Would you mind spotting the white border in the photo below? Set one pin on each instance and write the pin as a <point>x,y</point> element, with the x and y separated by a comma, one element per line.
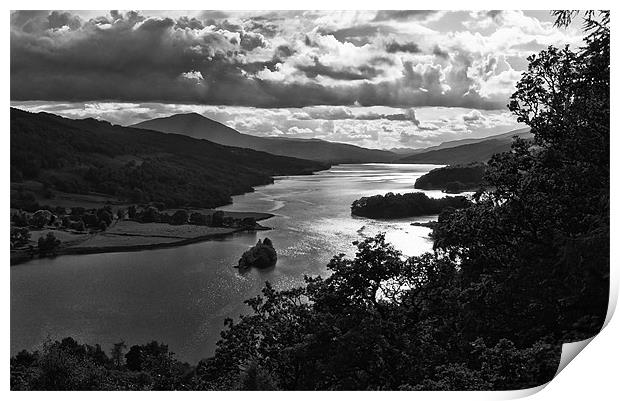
<point>592,375</point>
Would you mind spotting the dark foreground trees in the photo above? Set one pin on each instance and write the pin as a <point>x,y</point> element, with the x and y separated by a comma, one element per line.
<point>69,365</point>
<point>523,270</point>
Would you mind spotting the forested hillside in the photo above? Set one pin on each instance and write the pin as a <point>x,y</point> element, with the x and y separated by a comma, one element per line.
<point>138,165</point>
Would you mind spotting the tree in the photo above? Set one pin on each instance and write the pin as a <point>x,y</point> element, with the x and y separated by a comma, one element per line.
<point>513,276</point>
<point>180,217</point>
<point>19,237</point>
<point>41,218</point>
<point>20,219</point>
<point>198,219</point>
<point>217,219</point>
<point>105,215</point>
<point>78,225</point>
<point>248,222</point>
<point>117,352</point>
<point>48,244</point>
<point>150,215</point>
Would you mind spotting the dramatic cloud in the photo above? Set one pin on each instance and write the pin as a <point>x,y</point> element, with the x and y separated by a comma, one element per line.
<point>275,59</point>
<point>395,47</point>
<point>378,79</point>
<point>403,14</point>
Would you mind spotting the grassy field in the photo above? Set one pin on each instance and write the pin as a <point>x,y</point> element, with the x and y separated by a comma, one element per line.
<point>184,231</point>
<point>131,236</point>
<point>104,241</point>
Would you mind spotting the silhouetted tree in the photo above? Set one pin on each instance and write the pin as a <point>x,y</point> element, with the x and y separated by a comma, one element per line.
<point>48,244</point>
<point>180,217</point>
<point>217,219</point>
<point>118,351</point>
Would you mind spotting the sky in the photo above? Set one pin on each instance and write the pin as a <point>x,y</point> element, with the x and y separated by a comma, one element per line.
<point>379,79</point>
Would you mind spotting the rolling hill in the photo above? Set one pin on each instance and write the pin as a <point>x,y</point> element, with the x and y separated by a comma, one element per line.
<point>466,150</point>
<point>82,156</point>
<point>198,126</point>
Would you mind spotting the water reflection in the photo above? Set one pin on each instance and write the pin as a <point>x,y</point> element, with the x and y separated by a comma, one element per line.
<point>181,295</point>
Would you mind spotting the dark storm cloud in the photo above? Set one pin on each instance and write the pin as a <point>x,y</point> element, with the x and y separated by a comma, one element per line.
<point>190,23</point>
<point>358,35</point>
<point>379,60</point>
<point>284,51</point>
<point>346,113</point>
<point>129,57</point>
<point>439,52</point>
<point>210,17</point>
<point>259,25</point>
<point>395,47</point>
<point>399,15</point>
<point>59,19</point>
<point>250,41</point>
<point>494,13</point>
<point>348,74</point>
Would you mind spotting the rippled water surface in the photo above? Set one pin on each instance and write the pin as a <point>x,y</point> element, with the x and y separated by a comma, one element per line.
<point>181,295</point>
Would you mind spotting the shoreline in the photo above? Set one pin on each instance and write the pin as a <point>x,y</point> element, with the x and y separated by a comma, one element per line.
<point>23,256</point>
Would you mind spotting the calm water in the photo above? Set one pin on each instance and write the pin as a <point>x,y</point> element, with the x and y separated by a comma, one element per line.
<point>181,295</point>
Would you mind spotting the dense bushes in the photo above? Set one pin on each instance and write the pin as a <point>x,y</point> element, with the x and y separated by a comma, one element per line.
<point>391,205</point>
<point>48,244</point>
<point>19,237</point>
<point>77,218</point>
<point>68,365</point>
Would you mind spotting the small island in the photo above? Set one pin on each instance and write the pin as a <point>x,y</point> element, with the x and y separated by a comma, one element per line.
<point>262,255</point>
<point>453,179</point>
<point>394,206</point>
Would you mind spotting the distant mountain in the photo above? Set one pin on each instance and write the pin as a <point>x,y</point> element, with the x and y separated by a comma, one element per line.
<point>522,133</point>
<point>139,165</point>
<point>198,126</point>
<point>466,150</point>
<point>404,151</point>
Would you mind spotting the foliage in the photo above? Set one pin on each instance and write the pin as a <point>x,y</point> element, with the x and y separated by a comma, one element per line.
<point>217,219</point>
<point>68,365</point>
<point>87,155</point>
<point>378,321</point>
<point>199,219</point>
<point>522,270</point>
<point>25,200</point>
<point>180,217</point>
<point>261,255</point>
<point>41,218</point>
<point>48,244</point>
<point>411,204</point>
<point>19,237</point>
<point>453,179</point>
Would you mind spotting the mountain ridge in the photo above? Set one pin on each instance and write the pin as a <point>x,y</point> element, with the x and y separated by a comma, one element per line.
<point>199,126</point>
<point>464,151</point>
<point>88,155</point>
